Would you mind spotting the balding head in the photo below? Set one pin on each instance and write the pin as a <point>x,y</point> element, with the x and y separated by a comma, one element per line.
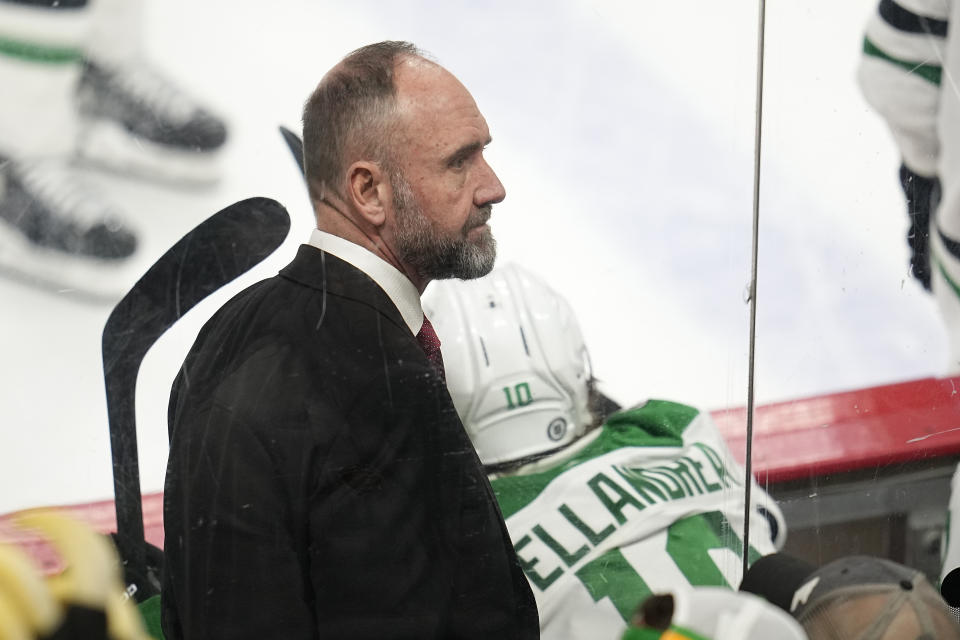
<point>351,114</point>
<point>393,149</point>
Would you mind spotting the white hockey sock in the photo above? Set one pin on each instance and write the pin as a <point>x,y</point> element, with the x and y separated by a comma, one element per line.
<point>116,32</point>
<point>40,54</point>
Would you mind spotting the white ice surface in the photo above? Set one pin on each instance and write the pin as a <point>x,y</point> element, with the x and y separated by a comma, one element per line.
<point>623,131</point>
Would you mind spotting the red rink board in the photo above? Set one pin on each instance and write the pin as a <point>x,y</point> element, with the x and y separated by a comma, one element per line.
<point>101,516</point>
<point>848,431</point>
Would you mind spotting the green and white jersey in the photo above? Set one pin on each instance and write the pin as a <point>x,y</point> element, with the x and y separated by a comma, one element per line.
<point>651,501</point>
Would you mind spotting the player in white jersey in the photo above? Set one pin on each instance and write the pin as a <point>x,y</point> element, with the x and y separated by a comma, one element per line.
<point>908,73</point>
<point>601,515</point>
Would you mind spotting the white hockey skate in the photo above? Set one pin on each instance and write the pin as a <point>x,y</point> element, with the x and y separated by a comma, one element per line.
<point>134,120</point>
<point>58,234</point>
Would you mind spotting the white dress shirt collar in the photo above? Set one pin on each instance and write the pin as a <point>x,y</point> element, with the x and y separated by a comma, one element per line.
<point>396,285</point>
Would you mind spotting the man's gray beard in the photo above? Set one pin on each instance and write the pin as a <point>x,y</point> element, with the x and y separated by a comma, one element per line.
<point>433,255</point>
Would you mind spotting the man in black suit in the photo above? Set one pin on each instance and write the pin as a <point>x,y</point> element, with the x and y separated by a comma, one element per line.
<point>320,482</point>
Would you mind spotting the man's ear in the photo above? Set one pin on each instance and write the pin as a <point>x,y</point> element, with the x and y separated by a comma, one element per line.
<point>368,190</point>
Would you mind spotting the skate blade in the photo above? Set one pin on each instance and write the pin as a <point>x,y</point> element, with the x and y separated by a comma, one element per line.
<point>82,278</point>
<point>107,144</point>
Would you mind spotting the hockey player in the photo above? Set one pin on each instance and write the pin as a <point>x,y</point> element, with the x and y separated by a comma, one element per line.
<point>76,85</point>
<point>601,515</point>
<point>908,74</point>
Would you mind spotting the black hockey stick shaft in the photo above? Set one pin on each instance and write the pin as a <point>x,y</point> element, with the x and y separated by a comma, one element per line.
<point>295,144</point>
<point>218,250</point>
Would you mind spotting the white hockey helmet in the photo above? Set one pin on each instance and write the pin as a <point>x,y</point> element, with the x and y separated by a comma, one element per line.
<point>516,364</point>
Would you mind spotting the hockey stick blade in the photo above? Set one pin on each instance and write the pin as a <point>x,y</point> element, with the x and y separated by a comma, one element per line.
<point>295,144</point>
<point>218,250</point>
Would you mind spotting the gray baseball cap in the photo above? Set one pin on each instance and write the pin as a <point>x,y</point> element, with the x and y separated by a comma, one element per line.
<point>854,598</point>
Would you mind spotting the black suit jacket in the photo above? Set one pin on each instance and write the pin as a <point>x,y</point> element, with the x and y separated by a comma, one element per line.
<point>320,483</point>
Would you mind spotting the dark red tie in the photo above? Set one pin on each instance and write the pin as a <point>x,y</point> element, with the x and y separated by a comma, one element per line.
<point>430,344</point>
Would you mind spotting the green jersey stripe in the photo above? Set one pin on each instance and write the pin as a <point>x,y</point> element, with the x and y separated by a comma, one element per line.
<point>929,72</point>
<point>32,52</point>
